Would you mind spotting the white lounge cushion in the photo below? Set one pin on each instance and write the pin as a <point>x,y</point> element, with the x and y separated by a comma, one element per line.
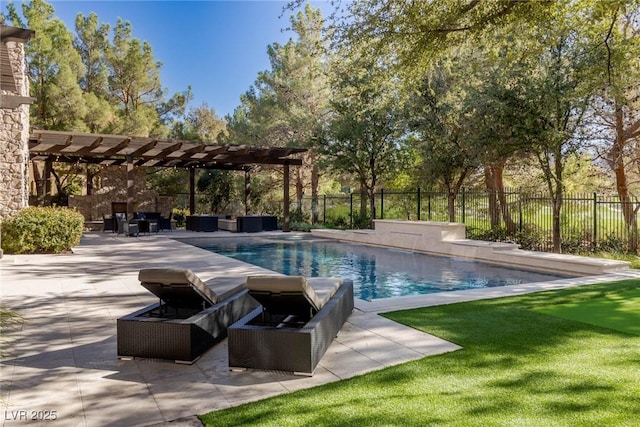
<point>167,281</point>
<point>317,291</point>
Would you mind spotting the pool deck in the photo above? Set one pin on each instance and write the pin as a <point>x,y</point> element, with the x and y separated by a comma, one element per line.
<point>64,359</point>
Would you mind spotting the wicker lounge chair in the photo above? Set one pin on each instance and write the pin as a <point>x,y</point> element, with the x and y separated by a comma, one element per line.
<point>293,328</point>
<point>190,316</point>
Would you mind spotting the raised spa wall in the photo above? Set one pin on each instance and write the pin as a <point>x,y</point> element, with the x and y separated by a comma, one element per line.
<point>448,239</point>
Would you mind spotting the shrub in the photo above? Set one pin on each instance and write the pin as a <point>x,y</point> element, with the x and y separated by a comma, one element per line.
<point>180,216</point>
<point>38,230</point>
<point>302,226</point>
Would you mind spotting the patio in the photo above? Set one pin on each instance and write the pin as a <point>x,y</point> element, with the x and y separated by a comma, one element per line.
<point>64,357</point>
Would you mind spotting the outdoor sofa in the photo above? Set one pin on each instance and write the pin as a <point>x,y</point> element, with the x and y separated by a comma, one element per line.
<point>294,326</point>
<point>190,316</point>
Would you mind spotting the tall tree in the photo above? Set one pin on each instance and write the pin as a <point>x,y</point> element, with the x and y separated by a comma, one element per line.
<point>200,124</point>
<point>135,87</point>
<point>363,137</point>
<point>54,68</point>
<point>296,91</point>
<point>91,43</point>
<point>436,119</point>
<point>134,81</point>
<point>616,37</point>
<point>559,98</point>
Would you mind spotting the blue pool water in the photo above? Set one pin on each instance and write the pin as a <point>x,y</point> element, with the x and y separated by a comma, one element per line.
<point>376,272</point>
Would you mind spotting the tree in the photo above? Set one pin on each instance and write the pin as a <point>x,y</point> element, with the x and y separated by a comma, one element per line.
<point>200,124</point>
<point>616,106</point>
<point>559,99</point>
<point>218,186</point>
<point>54,68</point>
<point>135,87</point>
<point>435,118</point>
<point>291,99</point>
<point>91,43</point>
<point>363,137</point>
<point>415,33</point>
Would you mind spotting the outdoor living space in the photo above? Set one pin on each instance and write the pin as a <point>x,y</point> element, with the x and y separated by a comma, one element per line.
<point>64,357</point>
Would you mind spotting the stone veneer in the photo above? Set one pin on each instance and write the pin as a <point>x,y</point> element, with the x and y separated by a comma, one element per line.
<point>14,138</point>
<point>113,188</point>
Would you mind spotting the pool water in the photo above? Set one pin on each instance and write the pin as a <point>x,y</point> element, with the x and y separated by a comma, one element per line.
<point>376,272</point>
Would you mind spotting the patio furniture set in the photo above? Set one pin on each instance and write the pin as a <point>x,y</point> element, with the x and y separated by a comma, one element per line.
<point>272,322</point>
<point>142,222</point>
<point>241,224</point>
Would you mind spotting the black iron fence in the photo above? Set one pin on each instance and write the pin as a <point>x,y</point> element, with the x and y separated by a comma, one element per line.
<point>588,221</point>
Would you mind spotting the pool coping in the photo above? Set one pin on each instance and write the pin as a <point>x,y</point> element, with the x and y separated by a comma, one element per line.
<point>384,305</point>
<point>448,239</point>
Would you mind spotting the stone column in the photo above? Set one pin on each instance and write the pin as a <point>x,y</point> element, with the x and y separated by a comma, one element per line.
<point>14,122</point>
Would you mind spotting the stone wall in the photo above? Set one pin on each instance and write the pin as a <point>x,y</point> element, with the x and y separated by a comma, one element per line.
<point>14,132</point>
<point>14,141</point>
<point>112,187</point>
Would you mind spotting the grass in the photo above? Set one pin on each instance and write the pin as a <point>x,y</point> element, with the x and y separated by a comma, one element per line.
<point>517,367</point>
<point>618,311</point>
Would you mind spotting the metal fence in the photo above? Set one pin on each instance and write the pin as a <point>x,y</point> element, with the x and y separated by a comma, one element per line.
<point>588,221</point>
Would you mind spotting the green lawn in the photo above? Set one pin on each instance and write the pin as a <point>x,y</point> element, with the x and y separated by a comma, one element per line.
<point>518,367</point>
<point>618,311</point>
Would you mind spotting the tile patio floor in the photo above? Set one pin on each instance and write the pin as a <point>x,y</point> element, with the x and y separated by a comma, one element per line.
<point>64,356</point>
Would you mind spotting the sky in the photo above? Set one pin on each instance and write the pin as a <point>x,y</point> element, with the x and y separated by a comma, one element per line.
<point>217,47</point>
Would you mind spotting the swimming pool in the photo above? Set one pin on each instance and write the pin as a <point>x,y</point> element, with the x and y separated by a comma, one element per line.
<point>376,272</point>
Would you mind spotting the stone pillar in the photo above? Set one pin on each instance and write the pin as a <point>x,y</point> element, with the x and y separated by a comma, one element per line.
<point>14,122</point>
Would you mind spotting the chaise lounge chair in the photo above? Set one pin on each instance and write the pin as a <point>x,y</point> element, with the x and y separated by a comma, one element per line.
<point>190,316</point>
<point>297,321</point>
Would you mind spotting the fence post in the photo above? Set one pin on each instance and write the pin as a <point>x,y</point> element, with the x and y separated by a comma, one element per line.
<point>381,203</point>
<point>351,210</point>
<point>519,211</point>
<point>595,219</point>
<point>463,206</point>
<point>418,203</point>
<point>324,209</point>
<point>429,206</point>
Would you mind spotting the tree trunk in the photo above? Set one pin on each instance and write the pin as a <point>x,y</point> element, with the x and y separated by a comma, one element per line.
<point>490,183</point>
<point>618,166</point>
<point>364,200</point>
<point>372,205</point>
<point>315,179</point>
<point>502,198</point>
<point>451,204</point>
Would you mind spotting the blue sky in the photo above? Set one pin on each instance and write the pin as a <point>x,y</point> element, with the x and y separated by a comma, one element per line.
<point>217,47</point>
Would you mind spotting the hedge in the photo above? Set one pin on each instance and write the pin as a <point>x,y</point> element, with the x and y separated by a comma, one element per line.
<point>42,230</point>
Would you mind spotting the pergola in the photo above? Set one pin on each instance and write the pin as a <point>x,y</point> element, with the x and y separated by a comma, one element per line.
<point>117,150</point>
